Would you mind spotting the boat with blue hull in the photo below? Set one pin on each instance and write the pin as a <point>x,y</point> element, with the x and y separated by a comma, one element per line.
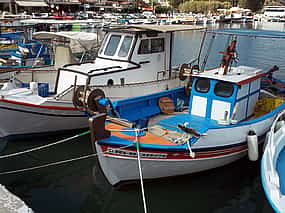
<point>182,131</point>
<point>272,165</point>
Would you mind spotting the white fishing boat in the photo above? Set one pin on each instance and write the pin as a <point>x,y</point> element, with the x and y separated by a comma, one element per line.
<point>225,117</point>
<point>272,165</point>
<point>132,61</point>
<point>63,48</point>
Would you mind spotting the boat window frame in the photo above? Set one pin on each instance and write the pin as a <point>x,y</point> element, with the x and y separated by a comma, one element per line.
<point>117,45</point>
<point>202,79</point>
<point>106,41</point>
<point>122,43</point>
<point>150,43</point>
<point>223,86</point>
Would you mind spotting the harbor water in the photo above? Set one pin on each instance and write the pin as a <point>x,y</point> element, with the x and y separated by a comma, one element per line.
<point>80,186</point>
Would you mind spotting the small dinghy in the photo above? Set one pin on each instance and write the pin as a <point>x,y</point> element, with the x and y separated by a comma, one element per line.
<point>223,115</point>
<point>272,165</point>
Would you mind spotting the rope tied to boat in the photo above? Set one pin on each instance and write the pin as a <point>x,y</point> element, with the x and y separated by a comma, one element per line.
<point>137,132</point>
<point>45,146</point>
<point>58,162</point>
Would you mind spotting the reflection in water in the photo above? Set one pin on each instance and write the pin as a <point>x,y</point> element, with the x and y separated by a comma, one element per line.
<point>81,186</point>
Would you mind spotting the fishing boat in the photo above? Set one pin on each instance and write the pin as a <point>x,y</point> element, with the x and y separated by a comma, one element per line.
<point>9,41</point>
<point>28,101</point>
<point>223,115</point>
<point>26,55</point>
<point>132,61</point>
<point>272,165</point>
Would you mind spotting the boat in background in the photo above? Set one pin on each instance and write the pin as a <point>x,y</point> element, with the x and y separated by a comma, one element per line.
<point>26,55</point>
<point>9,42</point>
<point>272,165</point>
<point>132,61</point>
<point>178,131</point>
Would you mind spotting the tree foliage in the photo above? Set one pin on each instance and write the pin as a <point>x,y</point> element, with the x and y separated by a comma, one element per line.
<point>202,6</point>
<point>206,5</point>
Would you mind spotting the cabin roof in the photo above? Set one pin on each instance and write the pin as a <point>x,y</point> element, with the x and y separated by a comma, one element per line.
<point>251,33</point>
<point>238,75</point>
<point>157,28</point>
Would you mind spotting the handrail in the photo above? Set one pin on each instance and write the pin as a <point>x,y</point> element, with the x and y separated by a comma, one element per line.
<point>104,69</point>
<point>272,129</point>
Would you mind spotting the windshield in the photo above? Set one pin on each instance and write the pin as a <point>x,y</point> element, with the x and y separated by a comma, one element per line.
<point>112,45</point>
<point>125,46</point>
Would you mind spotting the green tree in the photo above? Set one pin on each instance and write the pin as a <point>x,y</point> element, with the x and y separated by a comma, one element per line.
<point>199,6</point>
<point>251,4</point>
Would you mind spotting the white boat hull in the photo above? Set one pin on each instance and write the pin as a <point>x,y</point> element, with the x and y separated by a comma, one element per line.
<point>271,182</point>
<point>211,151</point>
<point>119,169</point>
<point>20,119</point>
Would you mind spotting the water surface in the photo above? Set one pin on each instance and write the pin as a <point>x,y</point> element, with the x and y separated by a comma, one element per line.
<point>80,187</point>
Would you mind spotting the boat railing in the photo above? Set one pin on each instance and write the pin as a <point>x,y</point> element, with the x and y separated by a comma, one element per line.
<point>107,70</point>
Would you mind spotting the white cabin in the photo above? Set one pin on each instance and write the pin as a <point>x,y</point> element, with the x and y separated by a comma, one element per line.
<point>128,55</point>
<point>274,11</point>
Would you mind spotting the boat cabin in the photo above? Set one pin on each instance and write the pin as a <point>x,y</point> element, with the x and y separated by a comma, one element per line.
<point>225,98</point>
<point>128,55</point>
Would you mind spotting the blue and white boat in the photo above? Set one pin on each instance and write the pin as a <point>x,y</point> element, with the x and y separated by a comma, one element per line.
<point>222,116</point>
<point>9,41</point>
<point>272,165</point>
<point>27,55</point>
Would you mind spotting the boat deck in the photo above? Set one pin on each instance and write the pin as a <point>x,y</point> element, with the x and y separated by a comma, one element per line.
<point>280,166</point>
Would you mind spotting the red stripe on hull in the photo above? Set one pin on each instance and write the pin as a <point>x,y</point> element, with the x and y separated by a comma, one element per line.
<point>171,155</point>
<point>39,106</point>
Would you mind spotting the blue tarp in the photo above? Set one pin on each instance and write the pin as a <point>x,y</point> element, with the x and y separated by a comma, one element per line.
<point>251,33</point>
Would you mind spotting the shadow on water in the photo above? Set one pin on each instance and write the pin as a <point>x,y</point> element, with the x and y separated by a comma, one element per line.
<point>81,187</point>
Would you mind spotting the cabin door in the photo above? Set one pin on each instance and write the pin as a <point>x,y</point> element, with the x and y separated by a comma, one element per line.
<point>153,54</point>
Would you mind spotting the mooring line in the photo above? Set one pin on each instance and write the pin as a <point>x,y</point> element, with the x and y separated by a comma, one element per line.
<point>140,170</point>
<point>58,162</point>
<point>47,165</point>
<point>45,146</point>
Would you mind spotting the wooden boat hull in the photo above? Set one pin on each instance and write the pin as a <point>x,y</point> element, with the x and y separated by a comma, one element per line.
<point>120,169</point>
<point>212,151</point>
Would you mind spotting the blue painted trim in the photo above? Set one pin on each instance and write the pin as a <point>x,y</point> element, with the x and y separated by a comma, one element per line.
<point>247,102</point>
<point>210,95</point>
<point>117,141</point>
<point>150,96</point>
<point>246,96</point>
<point>256,120</point>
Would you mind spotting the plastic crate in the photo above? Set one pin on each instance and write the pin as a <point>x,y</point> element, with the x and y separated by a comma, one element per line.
<point>43,88</point>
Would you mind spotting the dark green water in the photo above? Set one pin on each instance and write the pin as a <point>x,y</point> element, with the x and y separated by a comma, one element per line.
<point>80,187</point>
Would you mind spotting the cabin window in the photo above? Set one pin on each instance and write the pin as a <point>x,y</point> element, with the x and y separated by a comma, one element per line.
<point>224,89</point>
<point>154,45</point>
<point>125,46</point>
<point>144,47</point>
<point>157,45</point>
<point>112,45</point>
<point>202,85</point>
